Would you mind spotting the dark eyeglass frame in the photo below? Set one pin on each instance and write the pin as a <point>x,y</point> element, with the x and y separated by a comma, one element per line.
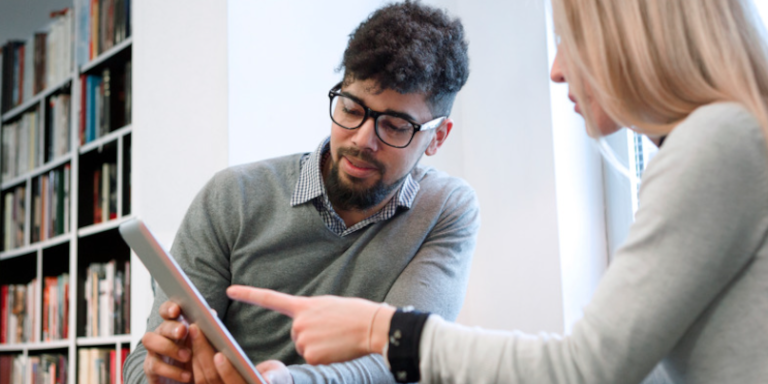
<point>429,125</point>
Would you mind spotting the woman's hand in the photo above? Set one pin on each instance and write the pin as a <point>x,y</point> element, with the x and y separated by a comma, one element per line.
<point>326,329</point>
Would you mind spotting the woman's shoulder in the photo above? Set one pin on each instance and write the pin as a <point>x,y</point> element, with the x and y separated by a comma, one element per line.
<point>719,127</point>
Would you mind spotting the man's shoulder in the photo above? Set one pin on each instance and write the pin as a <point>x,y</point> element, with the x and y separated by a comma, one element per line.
<point>436,180</point>
<point>435,184</point>
<point>280,169</point>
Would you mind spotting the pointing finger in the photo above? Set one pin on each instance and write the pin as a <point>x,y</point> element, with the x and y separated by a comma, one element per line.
<point>286,304</point>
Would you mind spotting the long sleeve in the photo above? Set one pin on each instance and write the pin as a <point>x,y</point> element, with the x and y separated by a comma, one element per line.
<point>435,281</point>
<point>201,248</point>
<point>685,288</point>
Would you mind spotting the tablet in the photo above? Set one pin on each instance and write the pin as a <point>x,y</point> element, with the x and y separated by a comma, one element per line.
<point>181,291</point>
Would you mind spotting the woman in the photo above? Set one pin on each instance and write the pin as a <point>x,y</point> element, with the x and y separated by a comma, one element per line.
<point>689,289</point>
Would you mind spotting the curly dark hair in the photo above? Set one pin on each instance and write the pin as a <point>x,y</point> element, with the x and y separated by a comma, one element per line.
<point>410,48</point>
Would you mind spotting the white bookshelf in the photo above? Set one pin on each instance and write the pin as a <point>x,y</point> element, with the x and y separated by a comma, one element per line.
<point>72,248</point>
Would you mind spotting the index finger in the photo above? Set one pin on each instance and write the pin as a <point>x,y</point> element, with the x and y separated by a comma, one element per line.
<point>286,304</point>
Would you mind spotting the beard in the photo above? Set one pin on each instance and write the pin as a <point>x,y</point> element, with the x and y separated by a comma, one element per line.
<point>352,194</point>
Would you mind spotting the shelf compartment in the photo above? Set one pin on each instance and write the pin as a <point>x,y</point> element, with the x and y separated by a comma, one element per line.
<point>16,111</point>
<point>103,286</point>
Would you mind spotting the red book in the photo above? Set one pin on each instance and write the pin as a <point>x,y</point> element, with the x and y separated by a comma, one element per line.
<point>46,288</point>
<point>112,367</point>
<point>3,313</point>
<point>65,330</point>
<point>96,194</point>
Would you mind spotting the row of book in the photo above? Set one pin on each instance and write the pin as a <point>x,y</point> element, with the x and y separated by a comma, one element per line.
<point>107,297</point>
<point>22,145</point>
<point>100,365</point>
<point>17,313</point>
<point>27,146</point>
<point>42,60</point>
<point>14,210</point>
<point>51,199</point>
<point>106,102</point>
<point>37,369</point>
<point>102,24</point>
<point>105,193</point>
<point>56,308</point>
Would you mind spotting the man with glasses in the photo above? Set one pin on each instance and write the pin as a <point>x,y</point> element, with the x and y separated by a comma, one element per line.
<point>357,217</point>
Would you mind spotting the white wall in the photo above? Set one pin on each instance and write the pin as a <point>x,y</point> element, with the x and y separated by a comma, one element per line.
<point>281,61</point>
<point>19,19</point>
<point>179,115</point>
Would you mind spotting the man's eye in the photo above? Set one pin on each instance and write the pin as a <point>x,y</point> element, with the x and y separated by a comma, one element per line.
<point>354,112</point>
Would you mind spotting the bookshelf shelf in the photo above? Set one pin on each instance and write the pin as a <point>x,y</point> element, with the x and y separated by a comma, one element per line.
<point>106,55</point>
<point>102,227</point>
<point>12,347</point>
<point>112,136</point>
<point>58,344</point>
<point>106,340</point>
<point>60,239</point>
<point>15,181</point>
<point>18,252</point>
<point>39,171</point>
<point>15,112</point>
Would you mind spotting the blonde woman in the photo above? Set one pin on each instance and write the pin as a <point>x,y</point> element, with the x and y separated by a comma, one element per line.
<point>688,292</point>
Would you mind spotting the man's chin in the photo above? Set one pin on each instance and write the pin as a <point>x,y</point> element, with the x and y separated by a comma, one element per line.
<point>357,184</point>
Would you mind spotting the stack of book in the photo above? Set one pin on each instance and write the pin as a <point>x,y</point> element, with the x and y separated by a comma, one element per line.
<point>12,369</point>
<point>103,24</point>
<point>105,193</point>
<point>107,297</point>
<point>50,199</point>
<point>17,313</point>
<point>105,103</point>
<point>99,365</point>
<point>45,59</point>
<point>47,368</point>
<point>56,308</point>
<point>22,145</point>
<point>13,225</point>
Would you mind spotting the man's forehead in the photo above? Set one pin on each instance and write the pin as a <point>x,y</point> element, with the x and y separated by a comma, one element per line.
<point>378,98</point>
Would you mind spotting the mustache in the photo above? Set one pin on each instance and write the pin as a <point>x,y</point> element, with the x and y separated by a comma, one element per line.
<point>362,155</point>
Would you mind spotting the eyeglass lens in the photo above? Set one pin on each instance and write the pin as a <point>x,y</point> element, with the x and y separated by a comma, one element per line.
<point>392,130</point>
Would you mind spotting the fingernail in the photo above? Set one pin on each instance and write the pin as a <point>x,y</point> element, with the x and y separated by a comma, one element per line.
<point>218,359</point>
<point>193,332</point>
<point>186,376</point>
<point>184,354</point>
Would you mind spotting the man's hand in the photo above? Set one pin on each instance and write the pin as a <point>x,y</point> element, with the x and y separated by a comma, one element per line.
<point>326,329</point>
<point>273,371</point>
<point>163,342</point>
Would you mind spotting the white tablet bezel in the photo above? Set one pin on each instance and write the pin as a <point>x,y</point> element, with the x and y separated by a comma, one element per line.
<point>180,290</point>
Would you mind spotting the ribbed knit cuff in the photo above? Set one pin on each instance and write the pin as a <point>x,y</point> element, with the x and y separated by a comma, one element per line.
<point>403,349</point>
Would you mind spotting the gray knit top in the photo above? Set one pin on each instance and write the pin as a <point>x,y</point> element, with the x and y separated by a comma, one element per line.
<point>242,229</point>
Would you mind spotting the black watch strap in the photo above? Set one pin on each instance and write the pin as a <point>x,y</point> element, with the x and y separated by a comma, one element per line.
<point>404,339</point>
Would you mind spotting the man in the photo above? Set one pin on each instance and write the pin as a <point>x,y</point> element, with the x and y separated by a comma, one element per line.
<point>357,217</point>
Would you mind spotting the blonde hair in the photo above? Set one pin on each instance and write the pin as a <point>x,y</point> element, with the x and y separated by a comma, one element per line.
<point>650,63</point>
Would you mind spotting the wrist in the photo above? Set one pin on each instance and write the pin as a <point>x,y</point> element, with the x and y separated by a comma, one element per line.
<point>380,328</point>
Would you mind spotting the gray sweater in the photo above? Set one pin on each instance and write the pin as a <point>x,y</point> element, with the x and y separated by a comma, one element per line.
<point>687,292</point>
<point>242,229</point>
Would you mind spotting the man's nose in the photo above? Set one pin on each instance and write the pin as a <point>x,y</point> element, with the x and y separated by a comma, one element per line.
<point>365,136</point>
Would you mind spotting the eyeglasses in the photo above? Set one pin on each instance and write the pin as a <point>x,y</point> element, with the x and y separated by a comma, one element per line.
<point>391,128</point>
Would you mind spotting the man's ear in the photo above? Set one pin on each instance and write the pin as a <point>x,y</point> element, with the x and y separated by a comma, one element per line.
<point>441,133</point>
